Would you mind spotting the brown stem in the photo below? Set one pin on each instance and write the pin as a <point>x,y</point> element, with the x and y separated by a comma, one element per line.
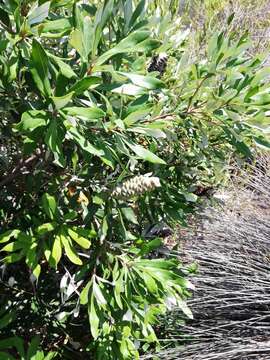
<point>162,117</point>
<point>5,27</point>
<point>196,92</point>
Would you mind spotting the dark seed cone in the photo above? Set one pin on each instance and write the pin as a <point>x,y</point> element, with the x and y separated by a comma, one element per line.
<point>158,63</point>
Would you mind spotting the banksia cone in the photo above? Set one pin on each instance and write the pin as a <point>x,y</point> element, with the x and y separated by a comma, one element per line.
<point>136,186</point>
<point>158,63</point>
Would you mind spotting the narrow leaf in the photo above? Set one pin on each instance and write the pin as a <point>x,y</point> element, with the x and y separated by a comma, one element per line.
<point>93,318</point>
<point>83,143</point>
<point>62,101</point>
<point>40,68</point>
<point>92,113</point>
<point>38,14</point>
<point>54,138</point>
<point>56,250</point>
<point>126,45</point>
<point>80,240</point>
<point>49,205</point>
<point>145,154</point>
<point>69,250</point>
<point>85,84</point>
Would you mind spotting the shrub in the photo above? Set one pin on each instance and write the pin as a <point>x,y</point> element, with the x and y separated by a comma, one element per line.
<point>94,148</point>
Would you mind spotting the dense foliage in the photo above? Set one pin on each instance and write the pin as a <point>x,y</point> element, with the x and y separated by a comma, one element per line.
<point>94,150</point>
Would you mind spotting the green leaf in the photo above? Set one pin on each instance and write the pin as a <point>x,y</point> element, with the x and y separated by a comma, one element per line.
<point>64,68</point>
<point>136,115</point>
<point>129,89</point>
<point>190,197</point>
<point>101,18</point>
<point>15,342</point>
<point>161,275</point>
<point>137,12</point>
<point>36,271</point>
<point>54,139</point>
<point>85,232</point>
<point>6,356</point>
<point>14,257</point>
<point>148,131</point>
<point>62,101</point>
<point>51,355</point>
<point>91,113</point>
<point>7,319</point>
<point>33,348</point>
<point>31,257</point>
<point>118,288</point>
<point>83,143</point>
<point>186,310</point>
<point>76,41</point>
<point>45,228</point>
<point>49,205</point>
<point>8,235</point>
<point>59,25</point>
<point>150,282</point>
<point>147,45</point>
<point>13,246</point>
<point>150,246</point>
<point>38,14</point>
<point>31,120</point>
<point>98,294</point>
<point>129,214</point>
<point>69,250</point>
<point>85,84</point>
<point>126,45</point>
<point>85,293</point>
<point>145,154</point>
<point>82,39</point>
<point>261,98</point>
<point>80,240</point>
<point>40,68</point>
<point>230,18</point>
<point>161,264</point>
<point>262,142</point>
<point>56,253</point>
<point>103,229</point>
<point>93,318</point>
<point>3,45</point>
<point>148,82</point>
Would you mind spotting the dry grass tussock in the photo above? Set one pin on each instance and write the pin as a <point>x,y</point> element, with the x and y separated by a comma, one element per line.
<point>249,15</point>
<point>231,303</point>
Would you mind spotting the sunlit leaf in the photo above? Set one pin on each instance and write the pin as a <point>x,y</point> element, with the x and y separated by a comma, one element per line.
<point>126,45</point>
<point>83,143</point>
<point>145,154</point>
<point>69,250</point>
<point>56,250</point>
<point>93,318</point>
<point>80,240</point>
<point>85,84</point>
<point>49,205</point>
<point>39,13</point>
<point>91,113</point>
